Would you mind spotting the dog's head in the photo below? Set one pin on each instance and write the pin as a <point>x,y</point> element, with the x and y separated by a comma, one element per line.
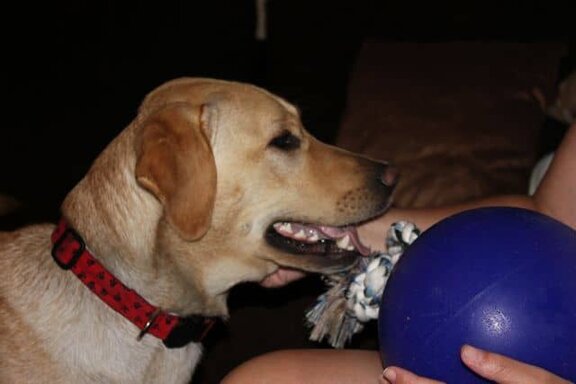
<point>243,189</point>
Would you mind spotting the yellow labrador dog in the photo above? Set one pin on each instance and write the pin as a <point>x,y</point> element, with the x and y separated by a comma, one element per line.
<point>214,183</point>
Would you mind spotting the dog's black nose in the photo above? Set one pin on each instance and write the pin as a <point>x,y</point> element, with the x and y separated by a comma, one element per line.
<point>389,176</point>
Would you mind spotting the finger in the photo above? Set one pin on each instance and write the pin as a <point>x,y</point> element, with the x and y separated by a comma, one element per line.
<point>395,375</point>
<point>505,370</point>
<point>281,278</point>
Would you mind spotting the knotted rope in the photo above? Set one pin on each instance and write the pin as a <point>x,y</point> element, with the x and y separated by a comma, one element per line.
<point>353,297</point>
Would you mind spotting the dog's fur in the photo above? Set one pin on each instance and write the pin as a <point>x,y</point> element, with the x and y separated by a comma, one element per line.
<point>176,207</point>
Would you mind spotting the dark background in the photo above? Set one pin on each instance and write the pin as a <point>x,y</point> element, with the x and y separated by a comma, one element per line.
<point>75,72</point>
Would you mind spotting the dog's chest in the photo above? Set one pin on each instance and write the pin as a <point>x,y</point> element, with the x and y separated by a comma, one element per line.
<point>173,366</point>
<point>129,364</point>
<point>105,348</point>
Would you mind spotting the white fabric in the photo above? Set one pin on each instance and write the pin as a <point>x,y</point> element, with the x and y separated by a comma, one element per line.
<point>538,172</point>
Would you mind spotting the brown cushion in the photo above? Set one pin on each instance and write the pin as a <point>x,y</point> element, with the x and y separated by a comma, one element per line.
<point>459,119</point>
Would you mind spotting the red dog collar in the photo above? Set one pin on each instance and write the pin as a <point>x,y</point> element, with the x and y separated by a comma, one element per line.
<point>70,253</point>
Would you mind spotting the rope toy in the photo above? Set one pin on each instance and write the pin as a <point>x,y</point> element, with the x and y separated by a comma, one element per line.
<point>353,297</point>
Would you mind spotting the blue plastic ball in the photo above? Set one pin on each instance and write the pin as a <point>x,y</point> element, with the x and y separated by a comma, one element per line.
<point>498,278</point>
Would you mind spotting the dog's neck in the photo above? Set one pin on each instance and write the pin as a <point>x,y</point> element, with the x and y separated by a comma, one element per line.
<point>70,253</point>
<point>128,244</point>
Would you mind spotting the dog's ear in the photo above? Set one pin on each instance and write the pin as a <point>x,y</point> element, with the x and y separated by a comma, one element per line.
<point>175,163</point>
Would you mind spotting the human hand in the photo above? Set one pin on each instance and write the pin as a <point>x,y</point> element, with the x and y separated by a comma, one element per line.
<point>492,366</point>
<point>373,233</point>
<point>505,370</point>
<point>281,277</point>
<point>396,375</point>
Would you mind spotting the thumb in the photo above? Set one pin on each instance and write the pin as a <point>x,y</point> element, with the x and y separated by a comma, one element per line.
<point>505,370</point>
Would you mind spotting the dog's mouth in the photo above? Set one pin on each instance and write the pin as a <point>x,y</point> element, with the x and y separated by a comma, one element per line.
<point>316,240</point>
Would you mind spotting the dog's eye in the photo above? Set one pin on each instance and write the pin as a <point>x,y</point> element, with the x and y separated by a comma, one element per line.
<point>285,141</point>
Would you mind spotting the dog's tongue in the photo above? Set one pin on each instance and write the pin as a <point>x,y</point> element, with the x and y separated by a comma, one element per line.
<point>339,232</point>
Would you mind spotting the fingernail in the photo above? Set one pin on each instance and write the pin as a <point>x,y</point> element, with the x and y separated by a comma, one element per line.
<point>471,355</point>
<point>390,375</point>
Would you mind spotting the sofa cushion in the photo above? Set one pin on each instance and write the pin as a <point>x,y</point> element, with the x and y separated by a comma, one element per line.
<point>461,120</point>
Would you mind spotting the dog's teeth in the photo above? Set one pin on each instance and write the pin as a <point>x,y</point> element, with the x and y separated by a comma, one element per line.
<point>283,227</point>
<point>314,238</point>
<point>344,242</point>
<point>300,235</point>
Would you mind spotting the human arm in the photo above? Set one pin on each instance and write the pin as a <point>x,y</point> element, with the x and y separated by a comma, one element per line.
<point>373,233</point>
<point>556,194</point>
<point>555,197</point>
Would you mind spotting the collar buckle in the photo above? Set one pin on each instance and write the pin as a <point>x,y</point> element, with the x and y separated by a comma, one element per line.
<point>149,323</point>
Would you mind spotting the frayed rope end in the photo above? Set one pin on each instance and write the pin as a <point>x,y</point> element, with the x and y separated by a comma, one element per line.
<point>353,297</point>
